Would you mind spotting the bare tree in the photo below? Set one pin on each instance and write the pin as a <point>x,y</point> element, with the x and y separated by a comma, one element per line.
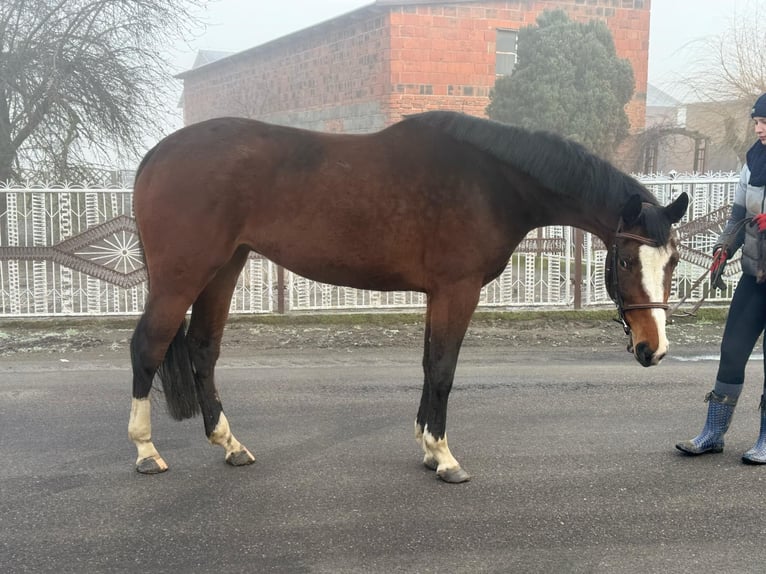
<point>730,73</point>
<point>83,79</point>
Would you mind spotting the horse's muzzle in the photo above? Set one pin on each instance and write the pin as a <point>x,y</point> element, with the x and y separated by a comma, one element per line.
<point>645,354</point>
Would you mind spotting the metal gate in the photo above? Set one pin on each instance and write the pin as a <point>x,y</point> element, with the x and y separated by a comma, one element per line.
<point>68,250</point>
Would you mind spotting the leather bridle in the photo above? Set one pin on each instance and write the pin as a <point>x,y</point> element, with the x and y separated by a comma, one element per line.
<point>613,282</point>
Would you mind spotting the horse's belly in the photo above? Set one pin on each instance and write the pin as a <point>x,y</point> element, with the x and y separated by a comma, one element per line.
<point>358,277</point>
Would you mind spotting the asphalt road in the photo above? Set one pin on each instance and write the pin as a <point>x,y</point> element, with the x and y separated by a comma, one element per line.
<point>571,454</point>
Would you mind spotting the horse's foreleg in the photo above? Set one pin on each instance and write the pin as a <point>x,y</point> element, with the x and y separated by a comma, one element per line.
<point>209,314</point>
<point>449,313</point>
<point>420,420</point>
<point>204,354</point>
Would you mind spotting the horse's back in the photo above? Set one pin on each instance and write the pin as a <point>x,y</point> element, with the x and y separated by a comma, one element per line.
<point>367,210</point>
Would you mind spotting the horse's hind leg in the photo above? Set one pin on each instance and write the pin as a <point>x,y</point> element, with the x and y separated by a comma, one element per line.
<point>159,324</point>
<point>209,314</point>
<point>449,313</point>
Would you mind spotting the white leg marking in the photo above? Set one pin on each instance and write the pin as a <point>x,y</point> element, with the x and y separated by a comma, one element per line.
<point>428,459</point>
<point>653,263</point>
<point>419,436</point>
<point>222,436</point>
<point>418,433</point>
<point>438,451</point>
<point>140,431</point>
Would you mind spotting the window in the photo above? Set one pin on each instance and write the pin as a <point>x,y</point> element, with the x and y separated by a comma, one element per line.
<point>505,52</point>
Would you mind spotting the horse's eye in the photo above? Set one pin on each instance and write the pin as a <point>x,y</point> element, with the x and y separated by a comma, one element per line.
<point>624,263</point>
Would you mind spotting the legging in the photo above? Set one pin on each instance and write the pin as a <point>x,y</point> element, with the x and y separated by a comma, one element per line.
<point>745,323</point>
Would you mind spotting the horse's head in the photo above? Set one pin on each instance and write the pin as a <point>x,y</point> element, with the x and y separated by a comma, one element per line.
<point>639,269</point>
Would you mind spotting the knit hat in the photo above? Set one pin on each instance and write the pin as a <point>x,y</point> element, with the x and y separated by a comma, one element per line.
<point>759,108</point>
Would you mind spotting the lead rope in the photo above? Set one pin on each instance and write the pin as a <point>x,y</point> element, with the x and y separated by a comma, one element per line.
<point>672,312</point>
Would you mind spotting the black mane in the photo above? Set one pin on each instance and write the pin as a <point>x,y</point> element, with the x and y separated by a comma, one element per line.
<point>558,163</point>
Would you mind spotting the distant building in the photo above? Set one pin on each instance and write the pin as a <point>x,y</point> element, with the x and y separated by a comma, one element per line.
<point>662,109</point>
<point>686,137</point>
<point>364,70</point>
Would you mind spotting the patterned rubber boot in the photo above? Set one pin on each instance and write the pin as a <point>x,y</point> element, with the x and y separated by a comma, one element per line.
<point>719,412</point>
<point>757,454</point>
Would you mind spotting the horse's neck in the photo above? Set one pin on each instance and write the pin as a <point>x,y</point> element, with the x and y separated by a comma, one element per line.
<point>594,219</point>
<point>603,228</point>
<point>573,207</point>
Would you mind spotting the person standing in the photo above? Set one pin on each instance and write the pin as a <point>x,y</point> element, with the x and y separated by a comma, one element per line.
<point>746,321</point>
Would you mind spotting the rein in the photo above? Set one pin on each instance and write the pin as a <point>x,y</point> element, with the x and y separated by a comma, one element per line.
<point>614,282</point>
<point>714,277</point>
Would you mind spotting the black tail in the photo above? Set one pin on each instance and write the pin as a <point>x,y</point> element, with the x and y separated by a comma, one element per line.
<point>177,376</point>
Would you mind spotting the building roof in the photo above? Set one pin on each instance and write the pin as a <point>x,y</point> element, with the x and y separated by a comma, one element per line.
<point>656,98</point>
<point>205,57</point>
<point>409,2</point>
<point>373,5</point>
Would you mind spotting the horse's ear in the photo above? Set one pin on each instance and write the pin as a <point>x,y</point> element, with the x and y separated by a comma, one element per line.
<point>676,210</point>
<point>632,209</point>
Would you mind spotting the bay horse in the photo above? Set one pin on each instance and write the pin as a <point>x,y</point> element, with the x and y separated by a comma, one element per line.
<point>435,203</point>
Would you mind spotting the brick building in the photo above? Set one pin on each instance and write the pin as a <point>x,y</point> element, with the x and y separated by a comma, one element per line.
<point>363,70</point>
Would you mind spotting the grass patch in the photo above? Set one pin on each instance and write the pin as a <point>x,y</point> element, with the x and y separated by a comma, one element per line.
<point>383,319</point>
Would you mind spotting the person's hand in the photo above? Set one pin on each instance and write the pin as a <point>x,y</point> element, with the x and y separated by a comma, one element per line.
<point>760,222</point>
<point>719,260</point>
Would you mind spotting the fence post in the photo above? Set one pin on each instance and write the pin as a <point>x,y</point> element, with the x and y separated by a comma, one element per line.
<point>280,290</point>
<point>579,239</point>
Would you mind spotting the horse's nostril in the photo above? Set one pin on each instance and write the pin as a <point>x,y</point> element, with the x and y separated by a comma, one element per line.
<point>644,354</point>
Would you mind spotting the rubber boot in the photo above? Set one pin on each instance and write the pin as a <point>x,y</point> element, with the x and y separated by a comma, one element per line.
<point>757,454</point>
<point>710,440</point>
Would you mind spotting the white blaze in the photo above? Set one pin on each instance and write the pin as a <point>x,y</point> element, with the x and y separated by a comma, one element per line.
<point>653,263</point>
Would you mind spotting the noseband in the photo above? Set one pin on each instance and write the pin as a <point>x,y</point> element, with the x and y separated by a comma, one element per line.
<point>613,283</point>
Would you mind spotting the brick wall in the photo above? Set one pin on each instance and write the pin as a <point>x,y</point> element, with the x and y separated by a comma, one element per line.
<point>332,77</point>
<point>364,70</point>
<point>443,56</point>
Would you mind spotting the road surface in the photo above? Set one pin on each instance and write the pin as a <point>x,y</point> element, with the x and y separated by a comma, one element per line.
<point>571,453</point>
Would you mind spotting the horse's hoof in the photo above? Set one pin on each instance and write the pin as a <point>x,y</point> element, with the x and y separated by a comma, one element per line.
<point>151,465</point>
<point>430,463</point>
<point>453,475</point>
<point>240,458</point>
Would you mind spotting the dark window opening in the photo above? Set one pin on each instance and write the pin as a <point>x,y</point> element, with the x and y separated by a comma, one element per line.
<point>505,52</point>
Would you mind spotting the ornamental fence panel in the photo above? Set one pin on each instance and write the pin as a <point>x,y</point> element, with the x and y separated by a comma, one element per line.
<point>69,250</point>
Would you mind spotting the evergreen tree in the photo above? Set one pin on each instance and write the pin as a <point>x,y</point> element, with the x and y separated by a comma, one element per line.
<point>567,79</point>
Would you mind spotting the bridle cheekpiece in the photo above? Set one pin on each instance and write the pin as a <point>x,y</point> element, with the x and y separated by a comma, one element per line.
<point>613,282</point>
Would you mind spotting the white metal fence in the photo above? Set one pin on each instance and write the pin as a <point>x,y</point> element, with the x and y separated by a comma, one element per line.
<point>68,250</point>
